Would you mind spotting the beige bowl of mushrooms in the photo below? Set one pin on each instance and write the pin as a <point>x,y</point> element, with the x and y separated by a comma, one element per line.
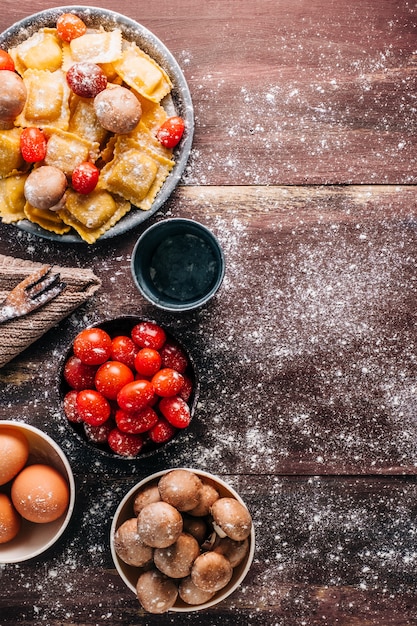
<point>182,540</point>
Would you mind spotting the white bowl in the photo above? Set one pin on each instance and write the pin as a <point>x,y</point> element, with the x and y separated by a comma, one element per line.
<point>129,574</point>
<point>33,539</point>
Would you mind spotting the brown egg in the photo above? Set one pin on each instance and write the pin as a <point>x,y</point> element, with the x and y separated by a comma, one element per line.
<point>159,524</point>
<point>180,488</point>
<point>10,520</point>
<point>45,186</point>
<point>176,560</point>
<point>40,493</point>
<point>14,452</point>
<point>129,546</point>
<point>211,571</point>
<point>118,109</point>
<point>156,592</point>
<point>231,519</point>
<point>13,95</point>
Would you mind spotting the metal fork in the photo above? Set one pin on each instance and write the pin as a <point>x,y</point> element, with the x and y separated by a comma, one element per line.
<point>32,293</point>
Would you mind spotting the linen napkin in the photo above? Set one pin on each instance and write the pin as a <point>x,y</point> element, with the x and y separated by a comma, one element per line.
<point>16,335</point>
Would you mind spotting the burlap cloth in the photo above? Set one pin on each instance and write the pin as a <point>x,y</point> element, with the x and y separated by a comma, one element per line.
<point>18,334</point>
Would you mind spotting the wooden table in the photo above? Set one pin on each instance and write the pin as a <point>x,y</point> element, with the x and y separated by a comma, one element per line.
<point>304,165</point>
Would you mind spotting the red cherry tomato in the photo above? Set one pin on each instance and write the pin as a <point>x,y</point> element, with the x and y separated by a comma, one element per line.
<point>79,375</point>
<point>32,144</point>
<point>6,61</point>
<point>85,177</point>
<point>148,335</point>
<point>86,79</point>
<point>176,411</point>
<point>100,433</point>
<point>148,362</point>
<point>174,356</point>
<point>70,407</point>
<point>123,349</point>
<point>111,377</point>
<point>162,432</point>
<point>135,395</point>
<point>136,423</point>
<point>70,26</point>
<point>92,346</point>
<point>124,444</point>
<point>171,131</point>
<point>167,382</point>
<point>187,388</point>
<point>93,407</point>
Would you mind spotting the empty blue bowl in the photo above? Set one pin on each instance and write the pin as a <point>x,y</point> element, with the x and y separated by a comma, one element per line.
<point>178,264</point>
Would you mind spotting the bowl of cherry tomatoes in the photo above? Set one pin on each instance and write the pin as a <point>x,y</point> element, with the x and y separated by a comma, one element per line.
<point>128,387</point>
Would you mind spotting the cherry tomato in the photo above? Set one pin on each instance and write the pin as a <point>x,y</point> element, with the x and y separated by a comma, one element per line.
<point>136,423</point>
<point>6,61</point>
<point>187,388</point>
<point>174,356</point>
<point>162,432</point>
<point>85,177</point>
<point>70,407</point>
<point>69,27</point>
<point>176,411</point>
<point>148,361</point>
<point>93,407</point>
<point>111,377</point>
<point>79,375</point>
<point>123,349</point>
<point>148,335</point>
<point>171,131</point>
<point>100,433</point>
<point>32,144</point>
<point>86,79</point>
<point>135,395</point>
<point>167,382</point>
<point>124,444</point>
<point>92,346</point>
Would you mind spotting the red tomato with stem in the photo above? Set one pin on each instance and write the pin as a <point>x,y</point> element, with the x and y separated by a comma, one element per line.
<point>167,382</point>
<point>6,61</point>
<point>148,361</point>
<point>70,26</point>
<point>135,395</point>
<point>85,177</point>
<point>111,377</point>
<point>92,346</point>
<point>171,131</point>
<point>124,349</point>
<point>32,144</point>
<point>79,375</point>
<point>93,407</point>
<point>148,335</point>
<point>176,411</point>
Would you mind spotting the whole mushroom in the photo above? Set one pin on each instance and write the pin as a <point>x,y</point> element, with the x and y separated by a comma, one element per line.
<point>191,594</point>
<point>145,496</point>
<point>13,94</point>
<point>231,519</point>
<point>159,524</point>
<point>156,592</point>
<point>129,546</point>
<point>180,488</point>
<point>118,109</point>
<point>208,495</point>
<point>211,571</point>
<point>45,186</point>
<point>176,560</point>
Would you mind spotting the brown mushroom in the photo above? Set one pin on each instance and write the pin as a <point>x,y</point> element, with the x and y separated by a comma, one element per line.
<point>195,526</point>
<point>145,496</point>
<point>129,546</point>
<point>191,594</point>
<point>118,109</point>
<point>231,519</point>
<point>13,94</point>
<point>156,592</point>
<point>176,560</point>
<point>211,571</point>
<point>208,495</point>
<point>180,488</point>
<point>45,186</point>
<point>159,524</point>
<point>234,551</point>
